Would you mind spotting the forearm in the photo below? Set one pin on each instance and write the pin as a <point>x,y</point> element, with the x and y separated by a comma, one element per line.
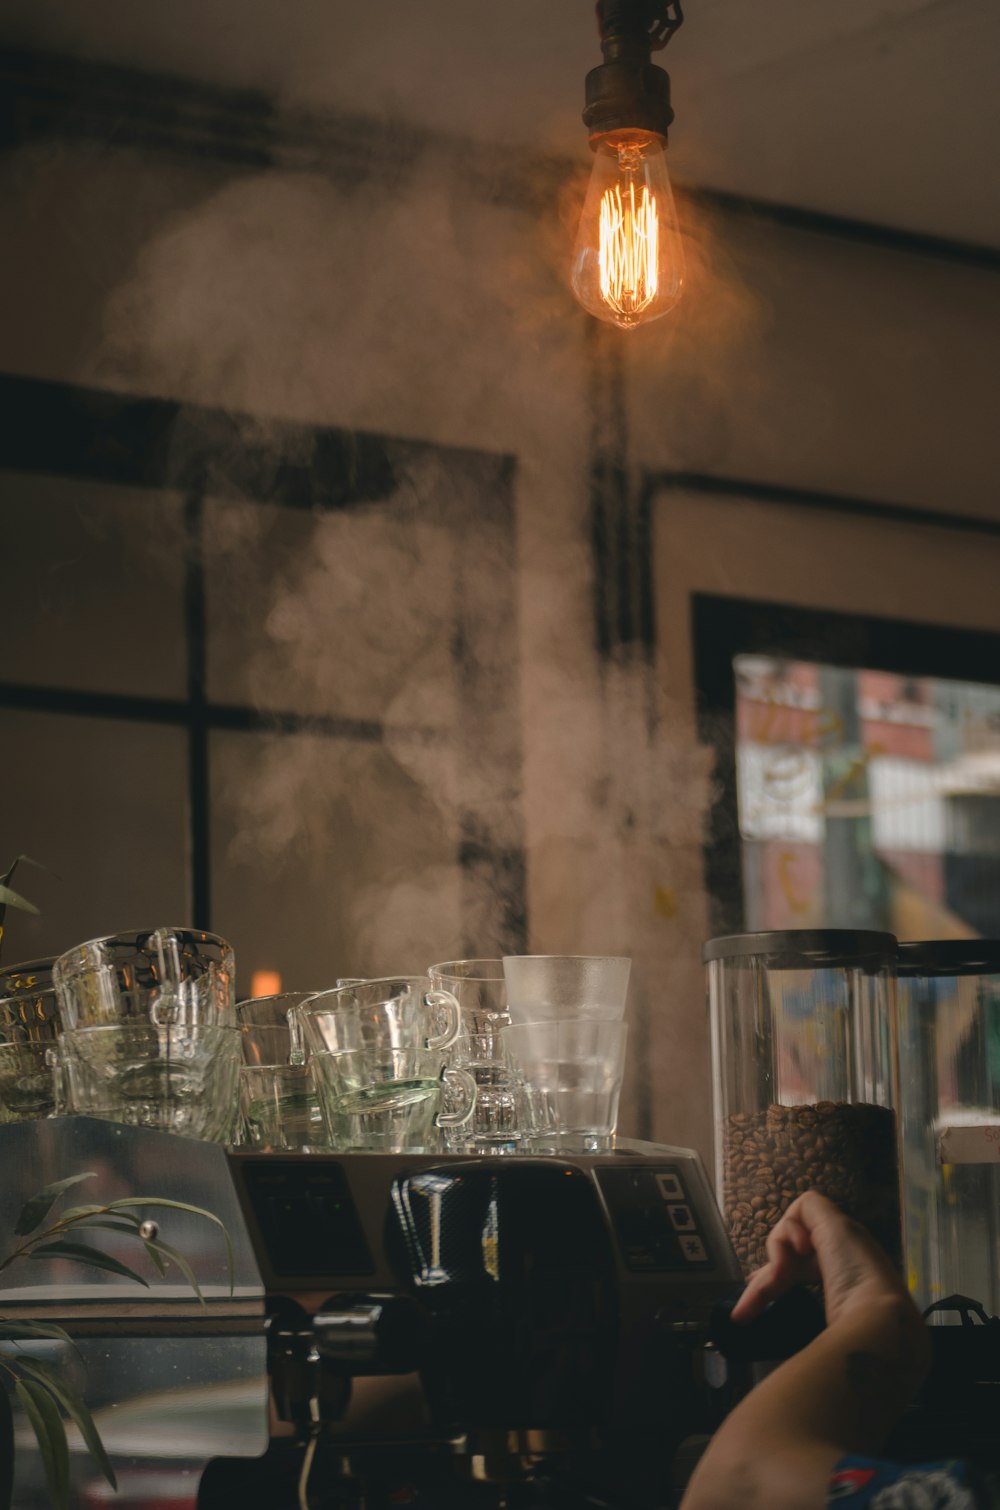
<point>841,1394</point>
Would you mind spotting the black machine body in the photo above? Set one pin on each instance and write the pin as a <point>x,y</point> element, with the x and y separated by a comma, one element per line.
<point>528,1330</point>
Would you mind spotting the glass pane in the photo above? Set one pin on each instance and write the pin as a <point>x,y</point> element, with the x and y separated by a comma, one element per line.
<point>93,587</point>
<point>867,799</point>
<point>346,614</point>
<point>330,858</point>
<point>102,804</point>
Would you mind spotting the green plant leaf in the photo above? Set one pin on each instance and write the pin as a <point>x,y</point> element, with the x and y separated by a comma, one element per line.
<point>50,1433</point>
<point>73,1214</point>
<point>82,1253</point>
<point>38,1207</point>
<point>155,1256</point>
<point>21,860</point>
<point>24,1331</point>
<point>152,1200</point>
<point>76,1408</point>
<point>9,898</point>
<point>158,1246</point>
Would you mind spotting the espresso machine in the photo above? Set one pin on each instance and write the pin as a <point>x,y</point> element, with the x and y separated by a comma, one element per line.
<point>466,1331</point>
<point>403,1329</point>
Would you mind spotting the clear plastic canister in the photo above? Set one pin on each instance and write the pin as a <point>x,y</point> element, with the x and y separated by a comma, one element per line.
<point>949,1074</point>
<point>804,1079</point>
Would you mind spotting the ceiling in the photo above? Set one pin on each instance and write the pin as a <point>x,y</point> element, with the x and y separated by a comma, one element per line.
<point>878,110</point>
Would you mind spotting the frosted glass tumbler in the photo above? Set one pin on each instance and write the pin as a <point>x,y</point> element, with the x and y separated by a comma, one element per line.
<point>569,1078</point>
<point>547,987</point>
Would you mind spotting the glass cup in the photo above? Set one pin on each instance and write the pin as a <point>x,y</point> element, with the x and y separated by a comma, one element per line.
<point>161,976</point>
<point>390,1104</point>
<point>265,1033</point>
<point>569,1079</point>
<point>480,988</point>
<point>377,1051</point>
<point>30,1084</point>
<point>179,1079</point>
<point>393,1012</point>
<point>280,1108</point>
<point>549,987</point>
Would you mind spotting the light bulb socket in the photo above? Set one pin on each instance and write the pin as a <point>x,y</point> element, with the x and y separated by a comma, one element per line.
<point>626,91</point>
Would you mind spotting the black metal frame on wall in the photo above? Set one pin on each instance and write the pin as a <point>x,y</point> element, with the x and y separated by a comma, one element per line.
<point>59,430</point>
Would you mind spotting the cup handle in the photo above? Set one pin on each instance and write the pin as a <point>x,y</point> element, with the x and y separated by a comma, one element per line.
<point>461,1082</point>
<point>54,1062</point>
<point>297,1052</point>
<point>446,1005</point>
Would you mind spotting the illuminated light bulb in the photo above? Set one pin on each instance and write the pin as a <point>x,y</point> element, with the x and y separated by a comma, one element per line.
<point>628,262</point>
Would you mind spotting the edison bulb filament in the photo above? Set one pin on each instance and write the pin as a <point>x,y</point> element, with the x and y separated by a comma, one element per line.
<point>629,237</point>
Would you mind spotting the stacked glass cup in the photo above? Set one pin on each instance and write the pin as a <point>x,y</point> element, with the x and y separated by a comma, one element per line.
<point>278,1102</point>
<point>480,988</point>
<point>377,1051</point>
<point>30,1084</point>
<point>565,1048</point>
<point>149,1034</point>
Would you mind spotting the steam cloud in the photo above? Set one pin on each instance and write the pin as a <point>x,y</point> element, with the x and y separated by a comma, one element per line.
<point>425,312</point>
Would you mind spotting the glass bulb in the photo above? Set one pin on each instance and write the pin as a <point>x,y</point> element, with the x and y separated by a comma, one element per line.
<point>628,262</point>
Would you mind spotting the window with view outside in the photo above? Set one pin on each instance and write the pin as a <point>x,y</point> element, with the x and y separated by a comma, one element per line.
<point>867,799</point>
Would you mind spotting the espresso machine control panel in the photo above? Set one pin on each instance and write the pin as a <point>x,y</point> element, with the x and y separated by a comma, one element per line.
<point>327,1221</point>
<point>659,1226</point>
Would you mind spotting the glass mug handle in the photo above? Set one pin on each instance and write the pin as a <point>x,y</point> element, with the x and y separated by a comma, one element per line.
<point>54,1062</point>
<point>446,1007</point>
<point>297,1051</point>
<point>457,1085</point>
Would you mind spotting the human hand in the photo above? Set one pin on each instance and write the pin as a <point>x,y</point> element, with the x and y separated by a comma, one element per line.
<point>815,1241</point>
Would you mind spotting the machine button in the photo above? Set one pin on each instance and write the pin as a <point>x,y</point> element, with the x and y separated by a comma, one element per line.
<point>682,1219</point>
<point>670,1187</point>
<point>693,1249</point>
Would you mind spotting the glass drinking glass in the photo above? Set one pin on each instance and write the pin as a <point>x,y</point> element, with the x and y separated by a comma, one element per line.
<point>160,975</point>
<point>376,1049</point>
<point>264,1028</point>
<point>480,988</point>
<point>390,1104</point>
<point>569,1079</point>
<point>30,1085</point>
<point>402,1011</point>
<point>179,1079</point>
<point>546,987</point>
<point>280,1108</point>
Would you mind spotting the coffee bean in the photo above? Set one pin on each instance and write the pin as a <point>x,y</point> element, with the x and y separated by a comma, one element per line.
<point>845,1150</point>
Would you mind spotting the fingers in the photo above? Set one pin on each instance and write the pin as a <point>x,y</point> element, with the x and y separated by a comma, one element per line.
<point>790,1261</point>
<point>813,1241</point>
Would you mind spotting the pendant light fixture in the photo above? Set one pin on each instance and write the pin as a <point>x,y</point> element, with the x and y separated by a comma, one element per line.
<point>628,263</point>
